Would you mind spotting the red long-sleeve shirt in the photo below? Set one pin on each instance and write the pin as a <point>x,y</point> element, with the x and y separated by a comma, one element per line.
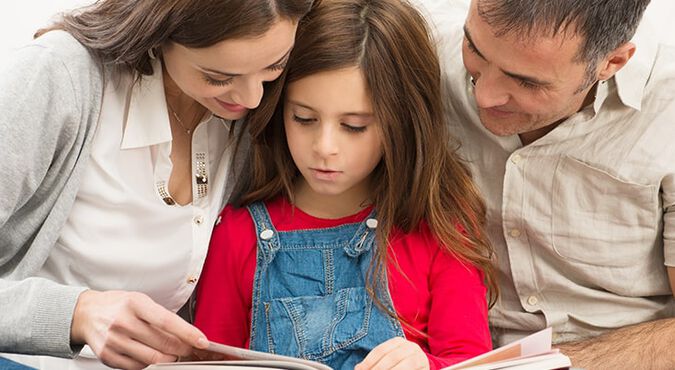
<point>431,290</point>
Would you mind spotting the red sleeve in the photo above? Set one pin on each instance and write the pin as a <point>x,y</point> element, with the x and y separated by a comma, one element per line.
<point>458,322</point>
<point>225,287</point>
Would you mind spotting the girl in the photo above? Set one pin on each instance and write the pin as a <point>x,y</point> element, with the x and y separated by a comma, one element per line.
<point>361,240</point>
<point>116,157</point>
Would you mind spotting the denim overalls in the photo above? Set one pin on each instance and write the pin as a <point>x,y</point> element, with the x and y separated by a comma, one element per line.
<point>309,296</point>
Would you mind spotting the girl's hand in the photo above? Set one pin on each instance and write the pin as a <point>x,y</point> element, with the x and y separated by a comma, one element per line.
<point>129,330</point>
<point>396,353</point>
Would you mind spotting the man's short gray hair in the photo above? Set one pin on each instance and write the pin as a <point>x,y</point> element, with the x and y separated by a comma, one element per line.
<point>603,25</point>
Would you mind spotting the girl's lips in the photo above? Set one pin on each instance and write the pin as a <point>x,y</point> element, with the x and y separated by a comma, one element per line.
<point>236,108</point>
<point>325,175</point>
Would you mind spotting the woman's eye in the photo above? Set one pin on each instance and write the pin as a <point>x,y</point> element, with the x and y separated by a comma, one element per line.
<point>216,82</point>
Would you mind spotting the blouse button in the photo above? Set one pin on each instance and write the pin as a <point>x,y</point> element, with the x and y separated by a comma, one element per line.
<point>198,220</point>
<point>192,280</point>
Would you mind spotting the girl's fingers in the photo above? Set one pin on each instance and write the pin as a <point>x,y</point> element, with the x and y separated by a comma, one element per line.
<point>377,354</point>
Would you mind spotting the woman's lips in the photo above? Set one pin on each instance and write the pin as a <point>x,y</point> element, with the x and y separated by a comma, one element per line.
<point>235,108</point>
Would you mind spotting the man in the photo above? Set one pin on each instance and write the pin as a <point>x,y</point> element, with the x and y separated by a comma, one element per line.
<point>568,127</point>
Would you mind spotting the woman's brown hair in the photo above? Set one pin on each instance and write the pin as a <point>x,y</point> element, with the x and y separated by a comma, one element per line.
<point>420,177</point>
<point>120,33</point>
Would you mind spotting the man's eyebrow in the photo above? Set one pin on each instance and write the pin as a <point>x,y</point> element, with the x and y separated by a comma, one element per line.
<point>528,79</point>
<point>228,74</point>
<point>517,76</point>
<point>467,34</point>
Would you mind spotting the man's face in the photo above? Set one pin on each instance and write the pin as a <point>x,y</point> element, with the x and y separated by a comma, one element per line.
<point>522,85</point>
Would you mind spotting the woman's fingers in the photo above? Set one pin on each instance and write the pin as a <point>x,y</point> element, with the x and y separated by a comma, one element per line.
<point>128,330</point>
<point>158,317</point>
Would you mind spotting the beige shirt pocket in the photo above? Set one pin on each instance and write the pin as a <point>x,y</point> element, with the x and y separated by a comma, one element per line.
<point>601,220</point>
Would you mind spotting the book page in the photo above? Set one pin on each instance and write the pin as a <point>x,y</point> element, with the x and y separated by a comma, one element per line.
<point>231,365</point>
<point>534,344</point>
<point>226,356</point>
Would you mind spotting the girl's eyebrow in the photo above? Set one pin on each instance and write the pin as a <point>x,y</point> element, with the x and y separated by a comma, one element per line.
<point>227,74</point>
<point>355,114</point>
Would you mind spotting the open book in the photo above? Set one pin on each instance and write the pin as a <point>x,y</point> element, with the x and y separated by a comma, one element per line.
<point>220,356</point>
<point>532,352</point>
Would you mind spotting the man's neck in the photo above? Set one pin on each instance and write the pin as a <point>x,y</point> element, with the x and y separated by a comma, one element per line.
<point>529,137</point>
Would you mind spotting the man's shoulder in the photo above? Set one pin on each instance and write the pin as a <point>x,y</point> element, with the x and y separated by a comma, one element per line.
<point>663,72</point>
<point>445,19</point>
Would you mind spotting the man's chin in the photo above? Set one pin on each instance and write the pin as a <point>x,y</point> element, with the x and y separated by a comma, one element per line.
<point>498,127</point>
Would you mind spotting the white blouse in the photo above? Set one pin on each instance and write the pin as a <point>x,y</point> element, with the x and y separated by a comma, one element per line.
<point>124,233</point>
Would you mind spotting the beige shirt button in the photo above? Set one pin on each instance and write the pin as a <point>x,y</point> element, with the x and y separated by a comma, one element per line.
<point>191,280</point>
<point>532,300</point>
<point>199,220</point>
<point>514,233</point>
<point>516,158</point>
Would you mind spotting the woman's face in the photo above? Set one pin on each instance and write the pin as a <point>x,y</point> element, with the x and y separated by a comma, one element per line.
<point>227,78</point>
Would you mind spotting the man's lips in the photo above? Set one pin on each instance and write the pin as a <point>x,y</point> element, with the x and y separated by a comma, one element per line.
<point>500,113</point>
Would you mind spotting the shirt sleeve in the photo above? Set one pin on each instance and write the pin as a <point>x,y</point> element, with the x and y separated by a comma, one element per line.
<point>224,293</point>
<point>458,322</point>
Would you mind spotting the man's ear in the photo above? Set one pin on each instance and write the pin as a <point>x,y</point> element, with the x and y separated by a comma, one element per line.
<point>616,60</point>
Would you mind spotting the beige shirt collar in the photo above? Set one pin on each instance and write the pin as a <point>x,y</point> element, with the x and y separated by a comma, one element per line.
<point>632,78</point>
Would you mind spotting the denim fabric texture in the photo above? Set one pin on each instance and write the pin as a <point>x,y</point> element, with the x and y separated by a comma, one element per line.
<point>7,364</point>
<point>309,294</point>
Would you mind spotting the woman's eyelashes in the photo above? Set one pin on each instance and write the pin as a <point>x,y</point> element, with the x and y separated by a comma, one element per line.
<point>278,67</point>
<point>309,120</point>
<point>217,82</point>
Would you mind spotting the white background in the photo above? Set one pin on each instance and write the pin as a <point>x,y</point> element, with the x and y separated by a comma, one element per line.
<point>20,19</point>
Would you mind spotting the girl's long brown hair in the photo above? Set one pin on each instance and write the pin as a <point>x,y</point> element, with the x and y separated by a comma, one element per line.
<point>420,177</point>
<point>119,33</point>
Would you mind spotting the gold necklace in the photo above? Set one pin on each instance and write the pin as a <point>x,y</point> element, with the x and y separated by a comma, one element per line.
<point>180,122</point>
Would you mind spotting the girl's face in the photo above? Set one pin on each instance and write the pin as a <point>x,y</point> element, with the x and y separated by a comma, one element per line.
<point>227,78</point>
<point>332,133</point>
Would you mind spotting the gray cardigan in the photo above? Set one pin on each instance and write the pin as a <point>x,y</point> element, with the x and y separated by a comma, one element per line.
<point>50,99</point>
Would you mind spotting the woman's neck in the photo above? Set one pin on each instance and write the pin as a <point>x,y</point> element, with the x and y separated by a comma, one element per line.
<point>329,206</point>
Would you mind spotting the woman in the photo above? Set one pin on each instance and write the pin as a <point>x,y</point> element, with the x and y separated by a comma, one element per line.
<point>119,130</point>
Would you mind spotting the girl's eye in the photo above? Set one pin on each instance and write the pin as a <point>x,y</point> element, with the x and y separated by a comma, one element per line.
<point>215,82</point>
<point>302,120</point>
<point>351,128</point>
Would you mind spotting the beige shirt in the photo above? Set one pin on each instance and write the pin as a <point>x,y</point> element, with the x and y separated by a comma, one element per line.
<point>583,219</point>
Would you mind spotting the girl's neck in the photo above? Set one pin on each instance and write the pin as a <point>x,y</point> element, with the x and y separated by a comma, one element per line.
<point>328,206</point>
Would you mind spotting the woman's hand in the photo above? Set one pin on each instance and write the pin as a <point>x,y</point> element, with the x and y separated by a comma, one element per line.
<point>396,353</point>
<point>129,330</point>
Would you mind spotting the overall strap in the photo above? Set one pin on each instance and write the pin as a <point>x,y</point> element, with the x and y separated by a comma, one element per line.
<point>364,237</point>
<point>267,235</point>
